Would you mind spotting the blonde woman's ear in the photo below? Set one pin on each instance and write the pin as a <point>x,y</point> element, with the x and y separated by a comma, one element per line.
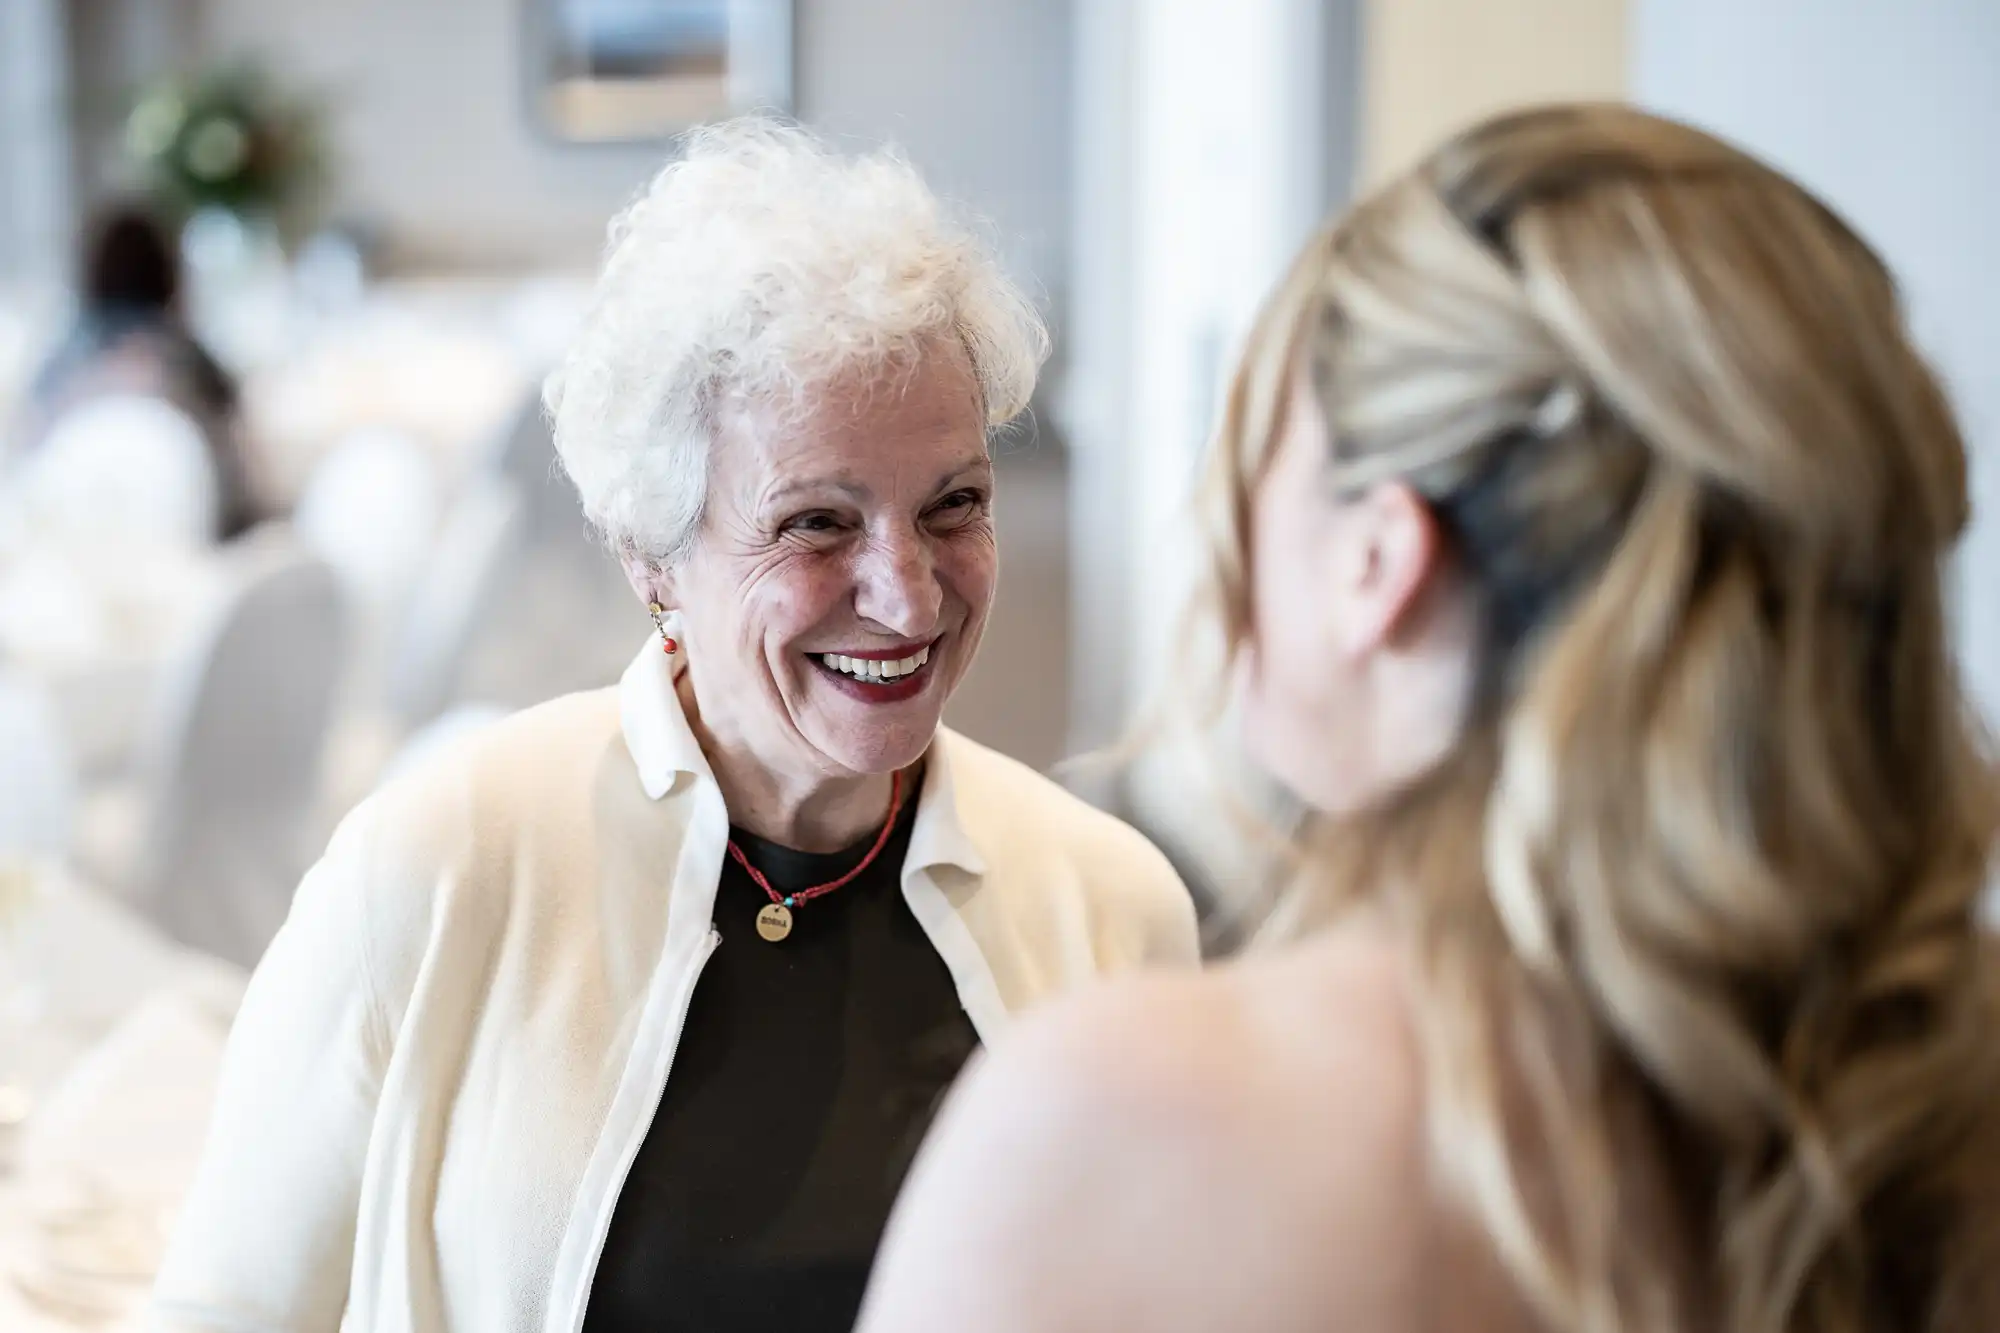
<point>1390,562</point>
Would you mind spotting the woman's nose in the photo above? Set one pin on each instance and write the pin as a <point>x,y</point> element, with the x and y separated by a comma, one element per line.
<point>898,587</point>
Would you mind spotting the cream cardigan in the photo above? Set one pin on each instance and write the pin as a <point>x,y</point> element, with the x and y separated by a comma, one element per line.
<point>446,1062</point>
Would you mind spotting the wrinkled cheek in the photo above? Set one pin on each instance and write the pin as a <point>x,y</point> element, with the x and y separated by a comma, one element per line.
<point>974,589</point>
<point>791,612</point>
<point>776,623</point>
<point>970,575</point>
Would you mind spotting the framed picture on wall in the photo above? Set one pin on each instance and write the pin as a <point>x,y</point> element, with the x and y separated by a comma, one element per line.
<point>619,71</point>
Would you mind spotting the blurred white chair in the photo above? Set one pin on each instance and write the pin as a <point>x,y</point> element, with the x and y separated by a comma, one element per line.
<point>525,450</point>
<point>37,776</point>
<point>213,842</point>
<point>370,510</point>
<point>426,648</point>
<point>464,580</point>
<point>122,470</point>
<point>569,620</point>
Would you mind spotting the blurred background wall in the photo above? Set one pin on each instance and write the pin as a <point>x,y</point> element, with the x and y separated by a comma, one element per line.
<point>437,151</point>
<point>35,161</point>
<point>1436,66</point>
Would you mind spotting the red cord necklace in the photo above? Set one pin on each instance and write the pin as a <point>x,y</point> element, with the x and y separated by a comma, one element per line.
<point>774,920</point>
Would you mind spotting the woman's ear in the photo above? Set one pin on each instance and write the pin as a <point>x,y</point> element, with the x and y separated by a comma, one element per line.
<point>1396,552</point>
<point>648,578</point>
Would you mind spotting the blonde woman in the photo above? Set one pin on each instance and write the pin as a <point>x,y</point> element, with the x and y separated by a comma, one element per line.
<point>1580,521</point>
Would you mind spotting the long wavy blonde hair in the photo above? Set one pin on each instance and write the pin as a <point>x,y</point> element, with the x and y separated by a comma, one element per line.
<point>1697,891</point>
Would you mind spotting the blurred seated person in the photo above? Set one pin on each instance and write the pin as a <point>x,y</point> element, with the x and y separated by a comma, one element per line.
<point>129,340</point>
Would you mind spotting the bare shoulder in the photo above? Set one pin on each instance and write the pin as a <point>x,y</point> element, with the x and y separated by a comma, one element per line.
<point>1238,1149</point>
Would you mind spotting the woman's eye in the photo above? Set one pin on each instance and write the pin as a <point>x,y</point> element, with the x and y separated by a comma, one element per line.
<point>814,523</point>
<point>959,506</point>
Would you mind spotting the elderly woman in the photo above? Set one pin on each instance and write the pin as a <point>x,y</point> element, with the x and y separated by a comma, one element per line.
<point>630,1012</point>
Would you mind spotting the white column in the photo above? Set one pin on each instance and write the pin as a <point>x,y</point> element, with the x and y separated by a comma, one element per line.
<point>35,197</point>
<point>1097,365</point>
<point>1212,137</point>
<point>1891,113</point>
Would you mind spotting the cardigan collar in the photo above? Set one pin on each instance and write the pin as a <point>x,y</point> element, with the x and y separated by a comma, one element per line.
<point>666,754</point>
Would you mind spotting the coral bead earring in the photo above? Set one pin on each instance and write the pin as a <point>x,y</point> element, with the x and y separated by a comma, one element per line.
<point>668,643</point>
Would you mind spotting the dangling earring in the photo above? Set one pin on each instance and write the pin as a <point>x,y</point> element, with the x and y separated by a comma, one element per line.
<point>667,643</point>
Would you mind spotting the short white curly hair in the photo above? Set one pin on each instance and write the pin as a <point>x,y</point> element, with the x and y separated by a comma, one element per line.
<point>757,267</point>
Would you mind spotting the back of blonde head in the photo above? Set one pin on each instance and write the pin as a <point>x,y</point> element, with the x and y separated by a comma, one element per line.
<point>1698,890</point>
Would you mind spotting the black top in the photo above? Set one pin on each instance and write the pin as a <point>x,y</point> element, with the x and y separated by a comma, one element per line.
<point>805,1077</point>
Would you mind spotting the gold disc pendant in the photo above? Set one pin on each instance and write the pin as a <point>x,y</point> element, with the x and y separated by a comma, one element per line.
<point>774,922</point>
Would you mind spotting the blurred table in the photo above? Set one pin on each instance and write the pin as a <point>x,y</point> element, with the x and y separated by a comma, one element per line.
<point>448,362</point>
<point>119,1058</point>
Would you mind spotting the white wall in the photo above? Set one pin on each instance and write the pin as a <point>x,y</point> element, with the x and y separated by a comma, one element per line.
<point>436,143</point>
<point>430,126</point>
<point>978,92</point>
<point>1435,66</point>
<point>1892,114</point>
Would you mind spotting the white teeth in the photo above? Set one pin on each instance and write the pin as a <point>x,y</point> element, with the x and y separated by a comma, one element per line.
<point>869,669</point>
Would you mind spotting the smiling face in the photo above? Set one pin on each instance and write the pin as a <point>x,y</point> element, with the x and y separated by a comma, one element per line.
<point>841,578</point>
